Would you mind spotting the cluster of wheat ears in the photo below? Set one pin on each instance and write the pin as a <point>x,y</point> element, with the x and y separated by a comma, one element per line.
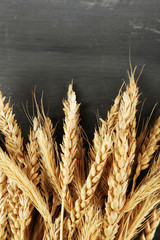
<point>50,191</point>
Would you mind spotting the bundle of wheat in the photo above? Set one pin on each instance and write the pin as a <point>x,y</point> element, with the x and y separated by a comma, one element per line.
<point>46,192</point>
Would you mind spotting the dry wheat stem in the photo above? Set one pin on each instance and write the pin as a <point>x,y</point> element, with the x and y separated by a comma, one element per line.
<point>3,206</point>
<point>123,157</point>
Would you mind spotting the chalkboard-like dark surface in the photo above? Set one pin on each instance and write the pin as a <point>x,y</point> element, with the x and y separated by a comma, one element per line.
<point>48,43</point>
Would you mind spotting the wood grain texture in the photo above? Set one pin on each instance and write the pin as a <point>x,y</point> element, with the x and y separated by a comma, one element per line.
<point>50,42</point>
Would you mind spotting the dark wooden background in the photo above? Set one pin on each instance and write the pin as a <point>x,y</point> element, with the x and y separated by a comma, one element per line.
<point>48,43</point>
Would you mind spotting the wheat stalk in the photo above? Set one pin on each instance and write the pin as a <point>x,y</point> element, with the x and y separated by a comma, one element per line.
<point>3,206</point>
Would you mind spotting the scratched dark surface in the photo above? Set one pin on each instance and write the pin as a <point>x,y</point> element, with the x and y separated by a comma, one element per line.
<point>48,43</point>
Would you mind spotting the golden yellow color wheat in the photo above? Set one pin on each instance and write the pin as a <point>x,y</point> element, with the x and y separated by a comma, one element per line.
<point>53,190</point>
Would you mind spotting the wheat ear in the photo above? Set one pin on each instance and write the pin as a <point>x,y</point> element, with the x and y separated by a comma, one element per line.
<point>151,226</point>
<point>49,163</point>
<point>69,145</point>
<point>148,148</point>
<point>110,123</point>
<point>14,173</point>
<point>94,176</point>
<point>11,131</point>
<point>3,206</point>
<point>123,157</point>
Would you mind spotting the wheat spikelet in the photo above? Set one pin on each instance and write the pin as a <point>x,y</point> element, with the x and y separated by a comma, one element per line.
<point>123,156</point>
<point>147,150</point>
<point>11,131</point>
<point>3,206</point>
<point>151,226</point>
